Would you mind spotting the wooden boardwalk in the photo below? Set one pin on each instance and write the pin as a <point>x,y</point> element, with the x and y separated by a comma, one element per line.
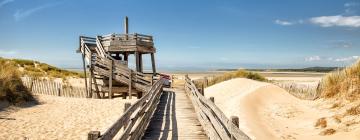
<point>174,118</point>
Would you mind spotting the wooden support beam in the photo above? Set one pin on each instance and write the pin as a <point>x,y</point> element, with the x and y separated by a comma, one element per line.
<point>141,62</point>
<point>130,84</point>
<point>126,55</point>
<point>137,59</point>
<point>110,78</point>
<point>84,67</point>
<point>153,63</point>
<point>90,78</point>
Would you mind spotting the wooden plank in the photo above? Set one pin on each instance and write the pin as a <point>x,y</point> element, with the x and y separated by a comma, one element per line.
<point>220,122</point>
<point>110,79</point>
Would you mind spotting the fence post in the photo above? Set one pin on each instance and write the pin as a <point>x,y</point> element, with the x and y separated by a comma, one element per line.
<point>58,91</point>
<point>212,99</point>
<point>235,121</point>
<point>93,135</point>
<point>202,90</point>
<point>126,107</point>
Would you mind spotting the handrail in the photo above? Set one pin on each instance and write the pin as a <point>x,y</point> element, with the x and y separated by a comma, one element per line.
<point>212,119</point>
<point>137,117</point>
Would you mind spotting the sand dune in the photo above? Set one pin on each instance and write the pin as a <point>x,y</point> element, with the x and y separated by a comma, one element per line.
<point>269,112</point>
<point>60,118</point>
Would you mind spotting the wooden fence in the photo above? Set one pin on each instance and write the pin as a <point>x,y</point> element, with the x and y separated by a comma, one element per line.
<point>212,119</point>
<point>49,87</point>
<point>301,91</point>
<point>136,118</point>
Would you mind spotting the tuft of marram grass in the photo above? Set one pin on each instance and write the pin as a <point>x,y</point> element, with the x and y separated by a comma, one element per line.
<point>342,84</point>
<point>37,69</point>
<point>232,75</point>
<point>11,86</point>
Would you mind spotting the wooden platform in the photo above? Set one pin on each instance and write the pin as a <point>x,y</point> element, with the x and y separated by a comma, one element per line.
<point>174,118</point>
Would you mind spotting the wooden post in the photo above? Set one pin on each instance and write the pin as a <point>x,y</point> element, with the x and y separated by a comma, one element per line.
<point>110,78</point>
<point>139,95</point>
<point>84,67</point>
<point>130,84</point>
<point>235,121</point>
<point>152,80</point>
<point>212,99</point>
<point>126,25</point>
<point>58,91</point>
<point>32,84</point>
<point>126,107</point>
<point>137,57</point>
<point>202,90</point>
<point>153,63</point>
<point>126,56</point>
<point>140,62</point>
<point>93,135</point>
<point>90,77</point>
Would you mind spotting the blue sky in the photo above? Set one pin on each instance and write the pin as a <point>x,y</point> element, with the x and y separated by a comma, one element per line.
<point>190,34</point>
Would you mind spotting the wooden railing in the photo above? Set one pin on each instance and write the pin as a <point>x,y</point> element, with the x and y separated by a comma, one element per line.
<point>118,71</point>
<point>132,124</point>
<point>212,119</point>
<point>128,39</point>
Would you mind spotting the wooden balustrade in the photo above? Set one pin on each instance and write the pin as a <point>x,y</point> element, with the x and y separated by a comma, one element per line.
<point>212,119</point>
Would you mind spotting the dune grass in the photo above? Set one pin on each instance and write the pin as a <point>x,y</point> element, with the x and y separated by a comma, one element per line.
<point>342,84</point>
<point>231,75</point>
<point>37,69</point>
<point>11,86</point>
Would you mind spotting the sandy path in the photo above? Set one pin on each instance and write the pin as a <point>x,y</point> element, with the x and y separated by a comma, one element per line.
<point>269,112</point>
<point>60,118</point>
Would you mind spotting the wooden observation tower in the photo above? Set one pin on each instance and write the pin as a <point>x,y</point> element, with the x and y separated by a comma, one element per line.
<point>105,61</point>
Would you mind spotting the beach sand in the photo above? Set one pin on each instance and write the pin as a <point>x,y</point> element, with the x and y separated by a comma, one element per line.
<point>268,112</point>
<point>60,118</point>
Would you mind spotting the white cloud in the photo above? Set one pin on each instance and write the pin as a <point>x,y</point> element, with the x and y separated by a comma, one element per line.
<point>338,20</point>
<point>20,14</point>
<point>346,59</point>
<point>4,2</point>
<point>313,58</point>
<point>283,22</point>
<point>351,4</point>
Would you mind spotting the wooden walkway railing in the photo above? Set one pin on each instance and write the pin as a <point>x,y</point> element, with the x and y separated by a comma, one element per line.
<point>132,124</point>
<point>212,119</point>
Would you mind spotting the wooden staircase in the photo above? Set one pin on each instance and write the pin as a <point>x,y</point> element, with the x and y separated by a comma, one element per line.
<point>102,66</point>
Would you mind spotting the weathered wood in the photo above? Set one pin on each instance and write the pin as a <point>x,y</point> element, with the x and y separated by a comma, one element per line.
<point>133,113</point>
<point>110,79</point>
<point>130,84</point>
<point>153,63</point>
<point>212,99</point>
<point>93,135</point>
<point>216,123</point>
